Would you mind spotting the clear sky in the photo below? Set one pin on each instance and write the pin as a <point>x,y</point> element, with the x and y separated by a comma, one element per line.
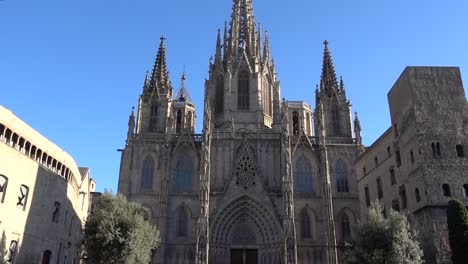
<point>73,69</point>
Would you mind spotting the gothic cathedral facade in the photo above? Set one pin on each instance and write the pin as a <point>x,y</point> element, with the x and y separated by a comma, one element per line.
<point>268,180</point>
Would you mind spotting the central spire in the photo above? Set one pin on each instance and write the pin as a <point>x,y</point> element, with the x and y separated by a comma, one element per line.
<point>160,76</point>
<point>328,82</point>
<point>242,32</point>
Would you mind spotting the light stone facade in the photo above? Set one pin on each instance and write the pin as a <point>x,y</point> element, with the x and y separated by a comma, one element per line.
<point>420,162</point>
<point>44,196</point>
<point>267,181</point>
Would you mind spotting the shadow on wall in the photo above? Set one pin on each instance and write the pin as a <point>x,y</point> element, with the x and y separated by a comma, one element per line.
<point>53,229</point>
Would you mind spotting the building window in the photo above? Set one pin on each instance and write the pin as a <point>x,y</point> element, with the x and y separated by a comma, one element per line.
<point>446,190</point>
<point>417,195</point>
<point>335,111</point>
<point>376,161</point>
<point>295,118</point>
<point>460,151</point>
<point>309,133</point>
<point>403,199</point>
<point>305,225</point>
<point>182,223</point>
<point>366,193</point>
<point>389,152</point>
<point>56,213</point>
<point>412,157</point>
<point>379,188</point>
<point>189,120</point>
<point>3,187</point>
<point>147,170</point>
<point>154,115</point>
<point>396,205</point>
<point>219,104</point>
<point>243,93</point>
<point>184,172</point>
<point>46,257</point>
<point>11,253</point>
<point>435,149</point>
<point>267,92</point>
<point>465,190</point>
<point>341,175</point>
<point>178,121</point>
<point>345,227</point>
<point>398,158</point>
<point>304,182</point>
<point>364,171</point>
<point>392,176</point>
<point>22,197</point>
<point>395,130</point>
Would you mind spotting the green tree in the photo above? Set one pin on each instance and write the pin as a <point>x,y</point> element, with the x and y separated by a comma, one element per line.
<point>384,241</point>
<point>457,220</point>
<point>116,232</point>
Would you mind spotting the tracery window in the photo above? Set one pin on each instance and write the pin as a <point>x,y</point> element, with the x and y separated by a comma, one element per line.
<point>243,94</point>
<point>345,227</point>
<point>341,176</point>
<point>305,225</point>
<point>184,173</point>
<point>178,121</point>
<point>154,115</point>
<point>182,223</point>
<point>22,197</point>
<point>304,175</point>
<point>245,170</point>
<point>267,102</point>
<point>219,98</point>
<point>3,187</point>
<point>147,170</point>
<point>295,118</point>
<point>335,119</point>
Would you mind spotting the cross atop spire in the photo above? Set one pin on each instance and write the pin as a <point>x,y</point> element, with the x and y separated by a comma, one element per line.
<point>328,82</point>
<point>160,75</point>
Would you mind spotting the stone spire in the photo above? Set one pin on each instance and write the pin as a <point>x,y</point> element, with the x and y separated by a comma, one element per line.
<point>242,31</point>
<point>183,94</point>
<point>131,125</point>
<point>160,75</point>
<point>218,55</point>
<point>328,81</point>
<point>357,129</point>
<point>266,49</point>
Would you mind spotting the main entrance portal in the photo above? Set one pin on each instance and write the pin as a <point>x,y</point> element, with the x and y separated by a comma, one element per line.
<point>244,256</point>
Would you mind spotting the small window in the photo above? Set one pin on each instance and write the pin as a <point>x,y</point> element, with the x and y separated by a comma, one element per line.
<point>446,190</point>
<point>178,121</point>
<point>392,176</point>
<point>56,213</point>
<point>11,254</point>
<point>345,227</point>
<point>434,153</point>
<point>395,130</point>
<point>3,187</point>
<point>22,197</point>
<point>46,257</point>
<point>412,157</point>
<point>402,192</point>
<point>376,161</point>
<point>417,195</point>
<point>305,225</point>
<point>182,223</point>
<point>389,152</point>
<point>460,151</point>
<point>396,205</point>
<point>295,118</point>
<point>366,193</point>
<point>243,93</point>
<point>379,188</point>
<point>465,190</point>
<point>398,158</point>
<point>364,170</point>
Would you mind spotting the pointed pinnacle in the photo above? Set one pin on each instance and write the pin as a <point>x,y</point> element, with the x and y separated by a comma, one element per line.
<point>328,78</point>
<point>218,48</point>
<point>160,74</point>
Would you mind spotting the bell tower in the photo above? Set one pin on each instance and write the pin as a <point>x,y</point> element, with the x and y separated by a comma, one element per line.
<point>242,84</point>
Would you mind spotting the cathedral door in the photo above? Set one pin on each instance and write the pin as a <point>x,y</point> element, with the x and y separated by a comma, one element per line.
<point>244,256</point>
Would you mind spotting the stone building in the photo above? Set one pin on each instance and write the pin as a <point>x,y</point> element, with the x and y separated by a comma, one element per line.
<point>267,181</point>
<point>44,196</point>
<point>420,162</point>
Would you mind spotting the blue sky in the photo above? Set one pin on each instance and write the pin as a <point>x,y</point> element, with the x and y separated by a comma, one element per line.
<point>73,69</point>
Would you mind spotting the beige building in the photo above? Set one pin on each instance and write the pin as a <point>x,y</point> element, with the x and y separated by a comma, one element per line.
<point>420,162</point>
<point>268,181</point>
<point>44,196</point>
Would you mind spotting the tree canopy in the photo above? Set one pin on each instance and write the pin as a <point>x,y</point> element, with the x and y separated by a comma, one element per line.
<point>457,221</point>
<point>384,240</point>
<point>116,232</point>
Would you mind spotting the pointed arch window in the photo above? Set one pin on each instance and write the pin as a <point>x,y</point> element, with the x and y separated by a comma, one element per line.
<point>178,121</point>
<point>306,229</point>
<point>267,98</point>
<point>184,173</point>
<point>3,187</point>
<point>46,257</point>
<point>304,175</point>
<point>446,190</point>
<point>147,171</point>
<point>345,227</point>
<point>243,93</point>
<point>308,126</point>
<point>153,119</point>
<point>336,119</point>
<point>341,176</point>
<point>295,118</point>
<point>182,222</point>
<point>219,97</point>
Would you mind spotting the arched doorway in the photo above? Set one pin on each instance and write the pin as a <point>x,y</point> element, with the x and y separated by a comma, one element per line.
<point>244,248</point>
